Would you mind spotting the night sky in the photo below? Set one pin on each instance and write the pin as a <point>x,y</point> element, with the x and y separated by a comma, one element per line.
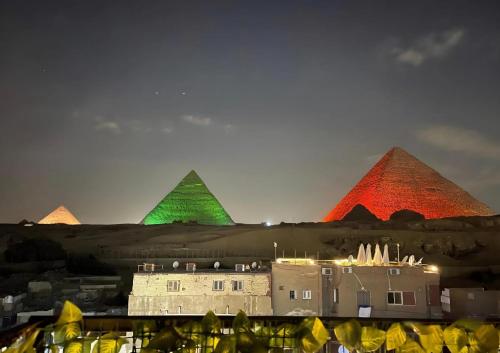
<point>280,106</point>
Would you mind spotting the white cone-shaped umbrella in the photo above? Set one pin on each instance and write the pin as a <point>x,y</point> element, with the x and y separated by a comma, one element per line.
<point>385,257</point>
<point>361,259</point>
<point>369,259</point>
<point>377,258</point>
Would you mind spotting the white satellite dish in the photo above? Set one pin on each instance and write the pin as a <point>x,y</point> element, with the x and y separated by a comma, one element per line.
<point>350,259</point>
<point>175,265</point>
<point>419,262</point>
<point>254,265</point>
<point>216,265</point>
<point>404,259</point>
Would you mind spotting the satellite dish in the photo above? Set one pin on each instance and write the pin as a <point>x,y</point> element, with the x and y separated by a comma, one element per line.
<point>217,265</point>
<point>175,265</point>
<point>404,259</point>
<point>350,259</point>
<point>254,265</point>
<point>419,262</point>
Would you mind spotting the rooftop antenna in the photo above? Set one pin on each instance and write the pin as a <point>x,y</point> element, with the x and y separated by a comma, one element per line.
<point>398,251</point>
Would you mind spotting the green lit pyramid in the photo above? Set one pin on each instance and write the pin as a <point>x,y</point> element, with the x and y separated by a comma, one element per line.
<point>190,201</point>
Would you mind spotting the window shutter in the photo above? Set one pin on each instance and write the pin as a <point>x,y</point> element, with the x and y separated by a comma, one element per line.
<point>409,298</point>
<point>434,298</point>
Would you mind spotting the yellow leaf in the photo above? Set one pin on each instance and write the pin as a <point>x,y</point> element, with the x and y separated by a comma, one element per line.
<point>70,313</point>
<point>241,323</point>
<point>211,323</point>
<point>227,344</point>
<point>166,340</point>
<point>372,338</point>
<point>432,341</point>
<point>395,337</point>
<point>109,343</point>
<point>192,330</point>
<point>410,346</point>
<point>455,339</point>
<point>485,340</point>
<point>349,334</point>
<point>79,345</point>
<point>27,345</point>
<point>312,335</point>
<point>67,332</point>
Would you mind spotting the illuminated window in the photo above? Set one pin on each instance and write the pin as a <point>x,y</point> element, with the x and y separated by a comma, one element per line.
<point>218,285</point>
<point>327,271</point>
<point>307,294</point>
<point>237,285</point>
<point>173,286</point>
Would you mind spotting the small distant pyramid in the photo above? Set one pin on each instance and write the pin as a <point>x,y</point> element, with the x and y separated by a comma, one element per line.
<point>360,213</point>
<point>60,215</point>
<point>189,201</point>
<point>400,181</point>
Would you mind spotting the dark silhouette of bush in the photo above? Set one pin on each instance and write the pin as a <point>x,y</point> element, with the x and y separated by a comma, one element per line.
<point>118,300</point>
<point>87,264</point>
<point>407,216</point>
<point>34,249</point>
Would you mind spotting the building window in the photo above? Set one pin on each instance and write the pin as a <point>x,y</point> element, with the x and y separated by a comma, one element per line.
<point>239,267</point>
<point>293,294</point>
<point>327,271</point>
<point>395,298</point>
<point>173,286</point>
<point>218,285</point>
<point>335,295</point>
<point>237,285</point>
<point>307,294</point>
<point>346,269</point>
<point>409,298</point>
<point>363,298</point>
<point>281,287</point>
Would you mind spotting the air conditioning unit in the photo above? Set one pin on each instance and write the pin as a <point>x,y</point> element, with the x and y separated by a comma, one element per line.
<point>239,267</point>
<point>346,269</point>
<point>190,266</point>
<point>394,271</point>
<point>327,271</point>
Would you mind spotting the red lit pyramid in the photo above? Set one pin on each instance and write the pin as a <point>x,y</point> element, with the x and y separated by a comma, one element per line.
<point>400,181</point>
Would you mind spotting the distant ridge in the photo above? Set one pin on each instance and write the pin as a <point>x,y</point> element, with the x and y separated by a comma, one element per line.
<point>189,201</point>
<point>400,181</point>
<point>60,215</point>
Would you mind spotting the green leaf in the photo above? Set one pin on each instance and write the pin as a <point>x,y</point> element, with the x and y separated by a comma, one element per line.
<point>70,313</point>
<point>349,334</point>
<point>312,335</point>
<point>410,346</point>
<point>395,337</point>
<point>456,339</point>
<point>109,343</point>
<point>467,324</point>
<point>485,340</point>
<point>372,338</point>
<point>432,341</point>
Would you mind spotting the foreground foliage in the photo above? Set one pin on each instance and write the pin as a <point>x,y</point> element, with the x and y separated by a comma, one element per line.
<point>67,335</point>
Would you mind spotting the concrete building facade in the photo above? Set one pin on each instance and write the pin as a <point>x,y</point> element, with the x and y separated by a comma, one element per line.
<point>196,292</point>
<point>326,288</point>
<point>458,303</point>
